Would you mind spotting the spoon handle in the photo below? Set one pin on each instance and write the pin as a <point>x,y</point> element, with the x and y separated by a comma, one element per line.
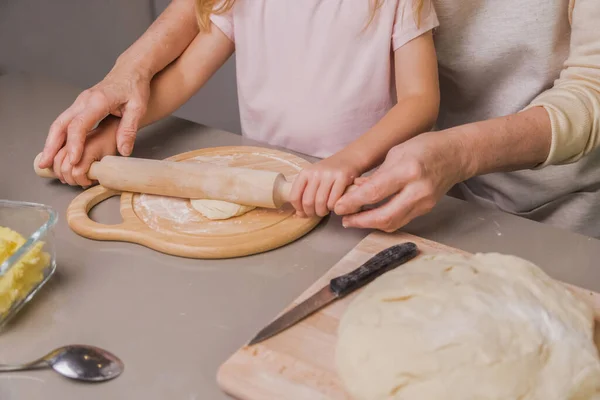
<point>40,363</point>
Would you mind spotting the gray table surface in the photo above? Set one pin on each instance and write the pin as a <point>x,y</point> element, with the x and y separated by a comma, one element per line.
<point>172,320</point>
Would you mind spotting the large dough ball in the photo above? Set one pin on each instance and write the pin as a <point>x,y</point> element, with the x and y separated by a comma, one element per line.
<point>217,209</point>
<point>468,328</point>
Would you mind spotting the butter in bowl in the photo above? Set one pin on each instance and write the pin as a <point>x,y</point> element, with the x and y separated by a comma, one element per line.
<point>27,257</point>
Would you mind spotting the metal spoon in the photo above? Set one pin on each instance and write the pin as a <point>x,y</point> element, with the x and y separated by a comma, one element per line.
<point>81,362</point>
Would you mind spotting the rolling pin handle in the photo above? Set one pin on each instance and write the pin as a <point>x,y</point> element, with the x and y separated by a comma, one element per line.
<point>281,191</point>
<point>49,173</point>
<point>42,172</point>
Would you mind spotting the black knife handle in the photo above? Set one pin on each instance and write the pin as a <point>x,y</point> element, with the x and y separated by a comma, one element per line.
<point>380,263</point>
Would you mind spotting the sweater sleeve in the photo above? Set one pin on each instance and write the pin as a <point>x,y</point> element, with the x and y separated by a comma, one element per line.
<point>573,103</point>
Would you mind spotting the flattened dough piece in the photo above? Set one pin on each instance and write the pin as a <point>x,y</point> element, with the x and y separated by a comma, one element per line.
<point>217,209</point>
<point>487,327</point>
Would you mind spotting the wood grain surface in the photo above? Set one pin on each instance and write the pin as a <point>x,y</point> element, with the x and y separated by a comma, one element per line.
<point>298,364</point>
<point>173,226</point>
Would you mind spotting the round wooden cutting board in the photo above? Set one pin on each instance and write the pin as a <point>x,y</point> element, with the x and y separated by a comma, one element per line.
<point>172,226</point>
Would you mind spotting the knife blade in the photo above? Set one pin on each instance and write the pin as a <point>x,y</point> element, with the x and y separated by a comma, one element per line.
<point>339,287</point>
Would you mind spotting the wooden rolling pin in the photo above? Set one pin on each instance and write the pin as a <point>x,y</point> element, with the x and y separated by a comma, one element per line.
<point>187,180</point>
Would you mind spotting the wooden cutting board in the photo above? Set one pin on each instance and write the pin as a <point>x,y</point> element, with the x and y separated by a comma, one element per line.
<point>173,226</point>
<point>298,364</point>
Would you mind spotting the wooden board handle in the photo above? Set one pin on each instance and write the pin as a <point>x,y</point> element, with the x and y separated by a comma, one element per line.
<point>79,220</point>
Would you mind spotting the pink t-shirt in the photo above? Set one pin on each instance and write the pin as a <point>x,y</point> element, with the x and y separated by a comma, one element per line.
<point>310,77</point>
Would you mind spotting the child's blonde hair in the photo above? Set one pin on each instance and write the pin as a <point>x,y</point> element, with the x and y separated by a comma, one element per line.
<point>204,8</point>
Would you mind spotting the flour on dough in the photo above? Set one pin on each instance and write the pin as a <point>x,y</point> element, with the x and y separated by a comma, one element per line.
<point>487,327</point>
<point>217,209</point>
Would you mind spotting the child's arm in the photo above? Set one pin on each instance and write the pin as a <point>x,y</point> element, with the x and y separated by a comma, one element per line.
<point>417,87</point>
<point>317,188</point>
<point>169,89</point>
<point>177,83</point>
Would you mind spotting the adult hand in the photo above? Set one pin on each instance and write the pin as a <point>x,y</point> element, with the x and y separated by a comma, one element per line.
<point>123,93</point>
<point>100,142</point>
<point>414,176</point>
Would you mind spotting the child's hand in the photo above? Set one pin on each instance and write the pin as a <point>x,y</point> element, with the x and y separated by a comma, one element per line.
<point>99,143</point>
<point>317,188</point>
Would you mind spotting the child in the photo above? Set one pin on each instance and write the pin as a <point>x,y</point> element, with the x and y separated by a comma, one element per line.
<point>313,76</point>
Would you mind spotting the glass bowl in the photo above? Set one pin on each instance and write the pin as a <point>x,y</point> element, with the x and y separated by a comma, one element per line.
<point>27,238</point>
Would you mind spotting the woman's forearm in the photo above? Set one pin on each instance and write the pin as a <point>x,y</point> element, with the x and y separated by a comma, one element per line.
<point>510,143</point>
<point>177,83</point>
<point>164,40</point>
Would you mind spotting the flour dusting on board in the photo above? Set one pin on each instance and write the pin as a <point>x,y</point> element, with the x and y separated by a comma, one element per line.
<point>274,157</point>
<point>220,160</point>
<point>168,214</point>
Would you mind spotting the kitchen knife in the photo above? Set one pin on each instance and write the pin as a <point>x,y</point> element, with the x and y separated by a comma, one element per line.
<point>339,287</point>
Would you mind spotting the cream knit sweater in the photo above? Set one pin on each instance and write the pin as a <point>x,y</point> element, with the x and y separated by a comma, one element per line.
<point>498,57</point>
<point>574,102</point>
